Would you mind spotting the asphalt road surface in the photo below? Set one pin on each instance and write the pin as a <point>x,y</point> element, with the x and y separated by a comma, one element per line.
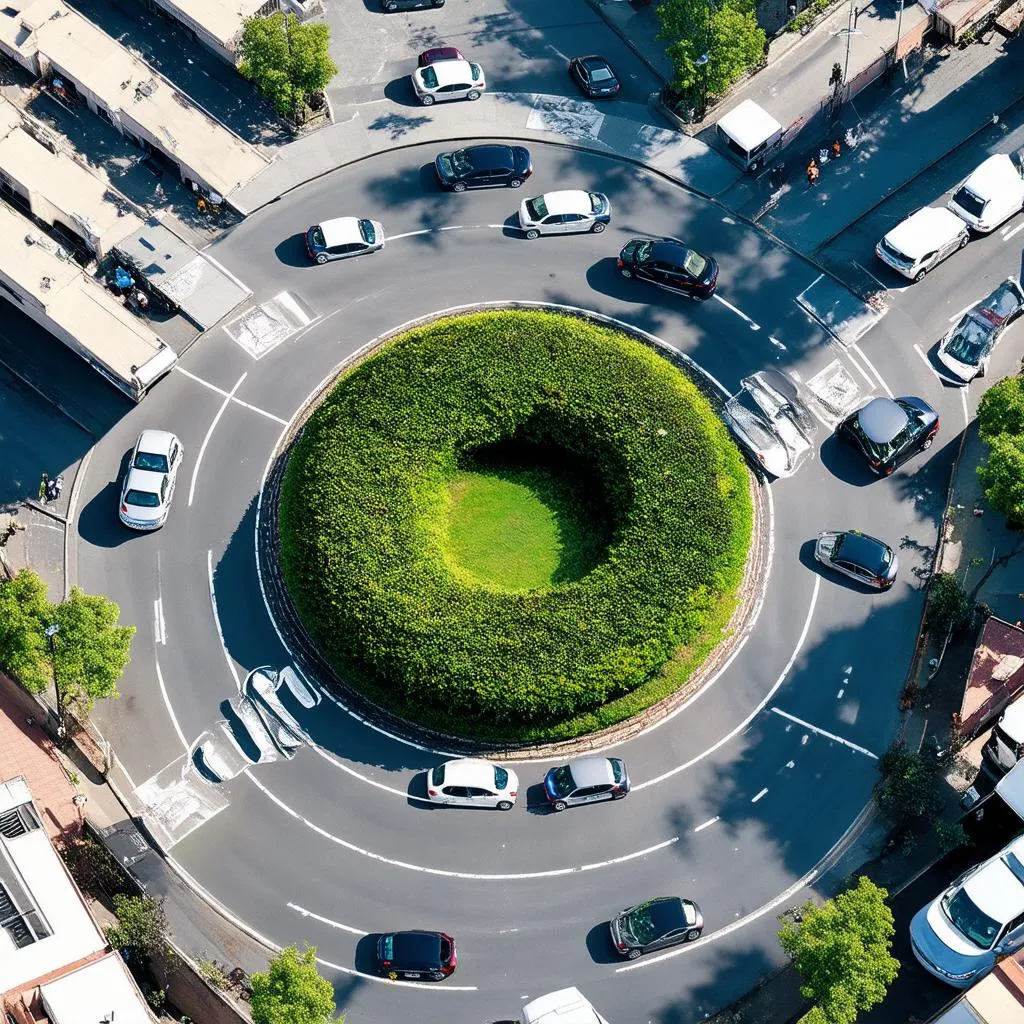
<point>737,798</point>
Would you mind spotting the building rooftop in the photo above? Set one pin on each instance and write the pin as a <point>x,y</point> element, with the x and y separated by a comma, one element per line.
<point>996,673</point>
<point>100,991</point>
<point>74,301</point>
<point>222,19</point>
<point>44,925</point>
<point>121,82</point>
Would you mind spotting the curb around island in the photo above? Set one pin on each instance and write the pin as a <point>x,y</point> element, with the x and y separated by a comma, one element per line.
<point>303,651</point>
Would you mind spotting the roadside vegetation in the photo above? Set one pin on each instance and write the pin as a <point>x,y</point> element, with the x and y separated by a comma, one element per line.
<point>417,484</point>
<point>1001,427</point>
<point>291,991</point>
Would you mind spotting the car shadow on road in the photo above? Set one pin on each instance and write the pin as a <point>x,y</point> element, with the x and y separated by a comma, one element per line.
<point>536,801</point>
<point>599,945</point>
<point>292,251</point>
<point>604,277</point>
<point>365,959</point>
<point>417,793</point>
<point>400,91</point>
<point>98,523</point>
<point>844,463</point>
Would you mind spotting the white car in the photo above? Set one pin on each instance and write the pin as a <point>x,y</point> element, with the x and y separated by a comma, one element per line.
<point>149,483</point>
<point>561,213</point>
<point>922,241</point>
<point>448,80</point>
<point>992,193</point>
<point>473,782</point>
<point>343,237</point>
<point>566,1006</point>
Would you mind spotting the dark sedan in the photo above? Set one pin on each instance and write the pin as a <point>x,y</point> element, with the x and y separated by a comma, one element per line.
<point>436,53</point>
<point>669,264</point>
<point>967,348</point>
<point>594,76</point>
<point>409,5</point>
<point>487,166</point>
<point>888,431</point>
<point>865,559</point>
<point>658,923</point>
<point>416,954</point>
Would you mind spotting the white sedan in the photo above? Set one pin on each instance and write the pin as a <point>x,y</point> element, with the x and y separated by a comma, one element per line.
<point>149,483</point>
<point>473,782</point>
<point>566,212</point>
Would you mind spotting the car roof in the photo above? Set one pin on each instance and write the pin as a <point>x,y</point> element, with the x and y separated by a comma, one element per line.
<point>566,1006</point>
<point>862,549</point>
<point>489,155</point>
<point>341,230</point>
<point>591,771</point>
<point>748,125</point>
<point>143,480</point>
<point>594,61</point>
<point>156,441</point>
<point>993,174</point>
<point>452,72</point>
<point>467,771</point>
<point>418,947</point>
<point>570,200</point>
<point>995,888</point>
<point>925,230</point>
<point>667,250</point>
<point>436,51</point>
<point>667,913</point>
<point>882,419</point>
<point>1012,721</point>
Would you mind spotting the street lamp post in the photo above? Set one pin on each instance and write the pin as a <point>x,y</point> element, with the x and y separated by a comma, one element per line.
<point>702,63</point>
<point>51,631</point>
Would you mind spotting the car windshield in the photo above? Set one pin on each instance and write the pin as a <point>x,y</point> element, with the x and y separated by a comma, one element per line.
<point>597,202</point>
<point>368,231</point>
<point>968,919</point>
<point>969,202</point>
<point>151,461</point>
<point>317,236</point>
<point>429,77</point>
<point>446,951</point>
<point>601,74</point>
<point>143,499</point>
<point>439,775</point>
<point>387,947</point>
<point>695,264</point>
<point>970,341</point>
<point>500,777</point>
<point>536,208</point>
<point>643,250</point>
<point>476,72</point>
<point>562,781</point>
<point>461,162</point>
<point>617,768</point>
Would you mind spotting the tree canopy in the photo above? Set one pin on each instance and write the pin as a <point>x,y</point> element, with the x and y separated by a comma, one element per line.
<point>841,950</point>
<point>726,31</point>
<point>287,60</point>
<point>1001,426</point>
<point>291,991</point>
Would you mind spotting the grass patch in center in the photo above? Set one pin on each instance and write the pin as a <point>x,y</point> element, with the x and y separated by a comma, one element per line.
<point>519,527</point>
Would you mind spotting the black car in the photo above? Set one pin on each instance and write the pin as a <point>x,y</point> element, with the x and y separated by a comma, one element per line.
<point>416,954</point>
<point>483,167</point>
<point>594,76</point>
<point>409,5</point>
<point>671,265</point>
<point>656,924</point>
<point>888,431</point>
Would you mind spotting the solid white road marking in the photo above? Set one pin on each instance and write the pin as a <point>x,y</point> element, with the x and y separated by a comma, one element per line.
<point>827,735</point>
<point>167,704</point>
<point>237,401</point>
<point>738,312</point>
<point>408,234</point>
<point>365,778</point>
<point>441,872</point>
<point>216,620</point>
<point>754,799</point>
<point>426,986</point>
<point>860,370</point>
<point>710,821</point>
<point>871,367</point>
<point>159,628</point>
<point>872,276</point>
<point>963,402</point>
<point>209,434</point>
<point>1009,234</point>
<point>775,341</point>
<point>326,920</point>
<point>757,710</point>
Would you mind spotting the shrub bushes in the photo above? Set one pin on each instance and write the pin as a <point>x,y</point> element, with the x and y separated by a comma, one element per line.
<point>364,508</point>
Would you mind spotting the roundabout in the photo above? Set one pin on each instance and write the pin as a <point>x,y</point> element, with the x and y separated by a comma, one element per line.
<point>739,792</point>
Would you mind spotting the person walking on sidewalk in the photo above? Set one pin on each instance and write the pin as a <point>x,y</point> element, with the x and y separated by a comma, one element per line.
<point>812,173</point>
<point>837,150</point>
<point>43,485</point>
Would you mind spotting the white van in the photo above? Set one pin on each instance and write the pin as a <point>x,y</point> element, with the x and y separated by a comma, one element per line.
<point>1005,746</point>
<point>922,241</point>
<point>992,193</point>
<point>566,1006</point>
<point>751,135</point>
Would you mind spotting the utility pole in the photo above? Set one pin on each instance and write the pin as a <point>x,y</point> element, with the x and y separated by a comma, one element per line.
<point>51,632</point>
<point>849,38</point>
<point>899,34</point>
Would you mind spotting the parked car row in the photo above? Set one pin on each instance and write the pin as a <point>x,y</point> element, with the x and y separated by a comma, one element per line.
<point>986,198</point>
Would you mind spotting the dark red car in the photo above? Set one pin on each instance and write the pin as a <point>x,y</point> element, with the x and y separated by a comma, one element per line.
<point>436,53</point>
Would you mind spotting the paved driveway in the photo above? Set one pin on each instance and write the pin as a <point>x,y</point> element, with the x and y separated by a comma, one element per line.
<point>523,45</point>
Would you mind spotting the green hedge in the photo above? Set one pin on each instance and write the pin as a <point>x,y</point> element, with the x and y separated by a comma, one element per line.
<point>364,508</point>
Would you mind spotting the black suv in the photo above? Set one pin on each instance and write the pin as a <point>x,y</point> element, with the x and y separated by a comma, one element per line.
<point>671,265</point>
<point>483,167</point>
<point>409,5</point>
<point>888,431</point>
<point>416,954</point>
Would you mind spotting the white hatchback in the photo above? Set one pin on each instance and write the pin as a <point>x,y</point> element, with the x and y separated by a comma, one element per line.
<point>473,782</point>
<point>565,212</point>
<point>149,483</point>
<point>448,80</point>
<point>992,193</point>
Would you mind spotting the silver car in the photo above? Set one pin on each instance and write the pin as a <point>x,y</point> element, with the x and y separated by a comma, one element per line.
<point>448,80</point>
<point>965,351</point>
<point>149,483</point>
<point>771,420</point>
<point>565,212</point>
<point>963,933</point>
<point>343,237</point>
<point>865,559</point>
<point>473,782</point>
<point>586,780</point>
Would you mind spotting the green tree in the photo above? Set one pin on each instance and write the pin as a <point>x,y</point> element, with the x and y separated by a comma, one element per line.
<point>1002,475</point>
<point>841,950</point>
<point>291,990</point>
<point>1001,410</point>
<point>949,604</point>
<point>726,31</point>
<point>141,928</point>
<point>286,59</point>
<point>908,786</point>
<point>24,614</point>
